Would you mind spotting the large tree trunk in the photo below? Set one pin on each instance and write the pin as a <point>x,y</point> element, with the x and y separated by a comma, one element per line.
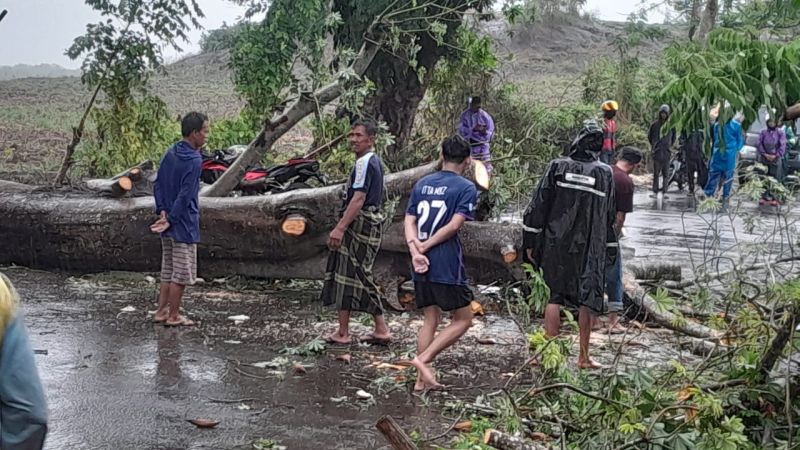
<point>694,18</point>
<point>239,235</point>
<point>401,87</point>
<point>708,20</point>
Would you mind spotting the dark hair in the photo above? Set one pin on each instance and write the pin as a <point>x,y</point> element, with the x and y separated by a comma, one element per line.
<point>369,126</point>
<point>191,122</point>
<point>631,154</point>
<point>455,149</point>
<point>475,100</point>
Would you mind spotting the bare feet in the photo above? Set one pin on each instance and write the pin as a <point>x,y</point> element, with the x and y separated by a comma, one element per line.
<point>161,316</point>
<point>426,375</point>
<point>180,321</point>
<point>589,364</point>
<point>337,338</point>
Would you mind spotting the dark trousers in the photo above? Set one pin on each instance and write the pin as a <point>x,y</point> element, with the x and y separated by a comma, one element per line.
<point>774,170</point>
<point>695,168</point>
<point>660,173</point>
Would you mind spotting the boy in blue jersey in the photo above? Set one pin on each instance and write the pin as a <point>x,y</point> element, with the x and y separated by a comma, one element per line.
<point>440,204</point>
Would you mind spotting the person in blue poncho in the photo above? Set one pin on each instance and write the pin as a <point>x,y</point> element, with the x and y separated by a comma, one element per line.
<point>723,158</point>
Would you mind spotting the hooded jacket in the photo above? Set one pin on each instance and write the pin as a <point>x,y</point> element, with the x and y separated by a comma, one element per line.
<point>176,189</point>
<point>724,159</point>
<point>569,226</point>
<point>661,141</point>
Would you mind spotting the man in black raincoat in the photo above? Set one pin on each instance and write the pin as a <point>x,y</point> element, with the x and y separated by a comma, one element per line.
<point>569,234</point>
<point>661,142</point>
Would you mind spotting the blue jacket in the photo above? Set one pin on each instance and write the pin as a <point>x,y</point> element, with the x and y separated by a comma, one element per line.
<point>176,189</point>
<point>725,159</point>
<point>23,409</point>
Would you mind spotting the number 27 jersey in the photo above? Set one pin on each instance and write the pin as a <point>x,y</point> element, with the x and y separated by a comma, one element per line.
<point>435,200</point>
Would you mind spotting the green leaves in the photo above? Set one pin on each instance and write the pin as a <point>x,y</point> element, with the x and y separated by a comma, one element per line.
<point>737,71</point>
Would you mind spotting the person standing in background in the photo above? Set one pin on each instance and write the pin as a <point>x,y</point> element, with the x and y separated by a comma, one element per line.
<point>477,127</point>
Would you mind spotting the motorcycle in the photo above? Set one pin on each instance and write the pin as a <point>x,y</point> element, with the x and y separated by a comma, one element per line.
<point>289,176</point>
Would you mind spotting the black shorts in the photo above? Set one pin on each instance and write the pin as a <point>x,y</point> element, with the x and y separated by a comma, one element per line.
<point>448,297</point>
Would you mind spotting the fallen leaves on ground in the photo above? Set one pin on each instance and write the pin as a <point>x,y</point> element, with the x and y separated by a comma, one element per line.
<point>204,423</point>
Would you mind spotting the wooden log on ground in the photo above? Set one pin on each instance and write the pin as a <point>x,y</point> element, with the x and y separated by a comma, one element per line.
<point>131,172</point>
<point>395,435</point>
<point>116,187</point>
<point>503,441</point>
<point>666,319</point>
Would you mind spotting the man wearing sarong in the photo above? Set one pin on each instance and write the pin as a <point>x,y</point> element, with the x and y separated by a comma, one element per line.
<point>477,127</point>
<point>355,242</point>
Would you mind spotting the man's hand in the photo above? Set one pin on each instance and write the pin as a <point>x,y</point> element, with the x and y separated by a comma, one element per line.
<point>335,238</point>
<point>420,263</point>
<point>480,128</point>
<point>161,225</point>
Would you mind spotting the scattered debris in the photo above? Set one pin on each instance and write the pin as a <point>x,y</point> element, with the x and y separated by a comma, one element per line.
<point>344,357</point>
<point>298,369</point>
<point>486,340</point>
<point>204,423</point>
<point>339,399</point>
<point>232,342</point>
<point>383,365</point>
<point>464,425</point>
<point>363,395</point>
<point>128,309</point>
<point>150,280</point>
<point>243,407</point>
<point>477,308</point>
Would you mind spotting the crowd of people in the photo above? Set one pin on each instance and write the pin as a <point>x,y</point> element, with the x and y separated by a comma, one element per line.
<point>571,232</point>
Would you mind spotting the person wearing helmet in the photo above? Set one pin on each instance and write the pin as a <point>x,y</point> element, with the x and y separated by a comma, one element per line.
<point>661,141</point>
<point>568,233</point>
<point>610,108</point>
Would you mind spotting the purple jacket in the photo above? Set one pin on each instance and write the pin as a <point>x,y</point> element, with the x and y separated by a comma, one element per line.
<point>772,142</point>
<point>479,139</point>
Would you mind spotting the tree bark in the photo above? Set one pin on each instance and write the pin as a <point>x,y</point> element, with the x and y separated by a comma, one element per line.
<point>239,235</point>
<point>642,299</point>
<point>502,441</point>
<point>694,18</point>
<point>274,129</point>
<point>77,135</point>
<point>395,435</point>
<point>778,344</point>
<point>708,20</point>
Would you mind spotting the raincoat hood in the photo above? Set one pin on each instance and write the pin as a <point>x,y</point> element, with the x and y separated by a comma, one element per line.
<point>664,108</point>
<point>185,152</point>
<point>588,144</point>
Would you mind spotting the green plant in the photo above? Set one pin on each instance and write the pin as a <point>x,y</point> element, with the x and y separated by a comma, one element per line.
<point>311,348</point>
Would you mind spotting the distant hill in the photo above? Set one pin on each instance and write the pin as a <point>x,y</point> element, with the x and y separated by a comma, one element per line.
<point>37,71</point>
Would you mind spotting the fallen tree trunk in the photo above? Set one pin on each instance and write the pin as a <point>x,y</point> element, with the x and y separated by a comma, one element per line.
<point>243,235</point>
<point>13,187</point>
<point>656,272</point>
<point>503,441</point>
<point>643,300</point>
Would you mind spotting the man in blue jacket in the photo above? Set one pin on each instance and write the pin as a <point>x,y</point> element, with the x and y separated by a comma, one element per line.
<point>176,190</point>
<point>723,159</point>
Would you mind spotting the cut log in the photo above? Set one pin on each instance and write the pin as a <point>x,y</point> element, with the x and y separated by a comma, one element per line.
<point>656,272</point>
<point>14,187</point>
<point>116,187</point>
<point>503,441</point>
<point>141,168</point>
<point>666,319</point>
<point>395,435</point>
<point>241,235</point>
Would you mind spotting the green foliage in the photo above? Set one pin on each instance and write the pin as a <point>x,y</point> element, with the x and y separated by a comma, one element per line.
<point>221,39</point>
<point>120,54</point>
<point>128,133</point>
<point>736,70</point>
<point>224,133</point>
<point>121,51</point>
<point>311,348</point>
<point>265,53</point>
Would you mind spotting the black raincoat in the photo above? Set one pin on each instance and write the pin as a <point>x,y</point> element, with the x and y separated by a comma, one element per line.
<point>569,226</point>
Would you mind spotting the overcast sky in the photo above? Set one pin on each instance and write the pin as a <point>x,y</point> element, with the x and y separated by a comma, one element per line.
<point>38,31</point>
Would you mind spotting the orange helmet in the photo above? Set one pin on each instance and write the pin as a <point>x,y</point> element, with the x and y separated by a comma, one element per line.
<point>609,105</point>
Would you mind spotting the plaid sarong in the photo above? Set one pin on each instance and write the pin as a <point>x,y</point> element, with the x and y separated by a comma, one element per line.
<point>348,277</point>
